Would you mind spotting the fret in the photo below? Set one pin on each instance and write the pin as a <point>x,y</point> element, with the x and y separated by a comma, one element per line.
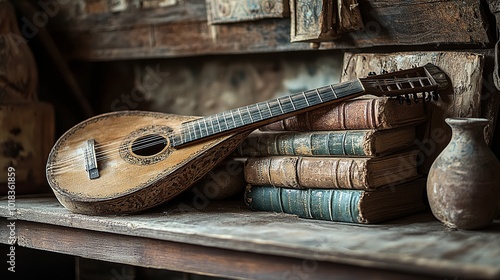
<point>333,92</point>
<point>254,113</point>
<point>191,131</point>
<point>286,104</point>
<point>319,95</point>
<point>312,98</point>
<point>218,122</point>
<point>232,117</point>
<point>249,114</point>
<point>265,113</point>
<point>241,116</point>
<point>201,129</point>
<point>276,109</point>
<point>226,122</point>
<point>206,126</point>
<point>237,121</point>
<point>327,94</point>
<point>291,101</point>
<point>211,122</point>
<point>191,138</point>
<point>248,117</point>
<point>305,97</point>
<point>270,111</point>
<point>279,104</point>
<point>300,103</point>
<point>223,120</point>
<point>260,112</point>
<point>183,136</point>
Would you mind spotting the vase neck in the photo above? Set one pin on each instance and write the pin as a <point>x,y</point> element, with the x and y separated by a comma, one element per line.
<point>467,129</point>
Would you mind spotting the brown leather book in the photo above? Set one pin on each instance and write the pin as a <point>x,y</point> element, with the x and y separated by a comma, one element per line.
<point>364,113</point>
<point>331,172</point>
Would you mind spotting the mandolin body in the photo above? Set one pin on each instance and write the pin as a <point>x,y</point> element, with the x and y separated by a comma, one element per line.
<point>129,182</point>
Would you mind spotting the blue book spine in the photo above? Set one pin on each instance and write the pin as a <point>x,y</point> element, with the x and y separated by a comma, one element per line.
<point>323,204</point>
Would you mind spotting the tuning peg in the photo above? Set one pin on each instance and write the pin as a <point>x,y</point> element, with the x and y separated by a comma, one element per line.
<point>435,96</point>
<point>416,99</point>
<point>427,97</point>
<point>407,99</point>
<point>400,99</point>
<point>372,73</point>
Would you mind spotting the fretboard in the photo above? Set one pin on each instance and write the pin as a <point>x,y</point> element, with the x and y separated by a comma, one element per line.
<point>264,112</point>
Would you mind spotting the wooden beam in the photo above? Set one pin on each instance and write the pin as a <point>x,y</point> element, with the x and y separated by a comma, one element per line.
<point>182,30</point>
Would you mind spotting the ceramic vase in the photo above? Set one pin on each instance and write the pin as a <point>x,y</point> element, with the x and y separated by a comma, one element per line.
<point>463,185</point>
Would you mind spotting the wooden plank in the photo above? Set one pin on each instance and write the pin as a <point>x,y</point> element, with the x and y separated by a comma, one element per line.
<point>197,259</point>
<point>465,71</point>
<point>418,245</point>
<point>388,22</point>
<point>182,30</point>
<point>180,39</point>
<point>72,16</point>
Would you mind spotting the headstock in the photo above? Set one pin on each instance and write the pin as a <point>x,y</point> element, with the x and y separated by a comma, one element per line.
<point>421,83</point>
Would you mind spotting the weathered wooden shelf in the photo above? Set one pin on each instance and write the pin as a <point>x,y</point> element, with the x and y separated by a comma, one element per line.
<point>182,30</point>
<point>226,239</point>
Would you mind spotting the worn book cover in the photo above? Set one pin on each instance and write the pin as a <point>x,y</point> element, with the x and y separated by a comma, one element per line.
<point>362,113</point>
<point>351,206</point>
<point>331,172</point>
<point>363,143</point>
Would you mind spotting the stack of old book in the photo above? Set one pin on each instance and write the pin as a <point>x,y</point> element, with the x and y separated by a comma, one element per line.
<point>349,162</point>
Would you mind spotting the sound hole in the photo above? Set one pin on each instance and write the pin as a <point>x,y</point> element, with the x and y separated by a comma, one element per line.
<point>149,145</point>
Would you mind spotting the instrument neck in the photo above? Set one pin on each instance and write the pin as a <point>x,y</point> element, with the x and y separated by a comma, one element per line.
<point>262,113</point>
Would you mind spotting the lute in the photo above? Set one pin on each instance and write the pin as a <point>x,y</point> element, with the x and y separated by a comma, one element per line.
<point>129,161</point>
